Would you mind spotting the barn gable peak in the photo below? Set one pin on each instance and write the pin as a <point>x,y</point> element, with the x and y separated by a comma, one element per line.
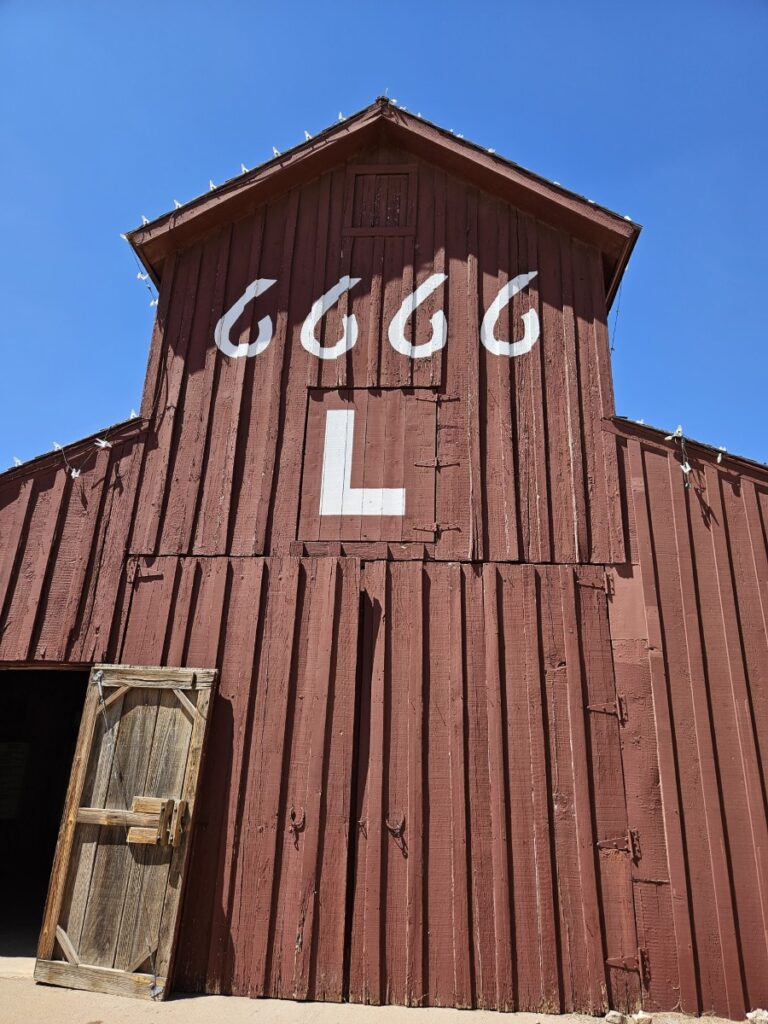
<point>382,121</point>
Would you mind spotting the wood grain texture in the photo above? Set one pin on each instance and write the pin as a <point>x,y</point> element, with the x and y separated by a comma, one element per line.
<point>115,893</point>
<point>97,979</point>
<point>505,751</point>
<point>525,471</point>
<point>468,931</point>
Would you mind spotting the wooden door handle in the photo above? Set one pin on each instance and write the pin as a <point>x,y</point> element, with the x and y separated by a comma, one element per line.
<point>150,821</point>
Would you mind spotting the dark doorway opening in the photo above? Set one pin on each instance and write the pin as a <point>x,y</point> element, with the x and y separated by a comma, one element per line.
<point>40,719</point>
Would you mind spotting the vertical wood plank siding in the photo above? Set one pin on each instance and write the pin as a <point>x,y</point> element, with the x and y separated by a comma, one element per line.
<point>525,471</point>
<point>688,627</point>
<point>62,550</point>
<point>446,754</point>
<point>507,750</point>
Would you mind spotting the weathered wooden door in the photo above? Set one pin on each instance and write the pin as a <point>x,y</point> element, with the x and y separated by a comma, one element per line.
<point>113,902</point>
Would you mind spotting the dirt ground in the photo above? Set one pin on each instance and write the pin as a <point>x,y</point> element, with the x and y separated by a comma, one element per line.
<point>24,1002</point>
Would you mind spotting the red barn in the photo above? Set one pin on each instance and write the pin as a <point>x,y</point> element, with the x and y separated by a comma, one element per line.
<point>412,674</point>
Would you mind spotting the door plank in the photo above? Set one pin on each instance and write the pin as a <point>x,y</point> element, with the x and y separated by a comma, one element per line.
<point>170,920</point>
<point>148,871</point>
<point>87,836</point>
<point>111,866</point>
<point>57,885</point>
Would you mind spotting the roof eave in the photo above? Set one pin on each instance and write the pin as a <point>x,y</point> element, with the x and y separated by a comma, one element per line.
<point>622,426</point>
<point>118,433</point>
<point>613,235</point>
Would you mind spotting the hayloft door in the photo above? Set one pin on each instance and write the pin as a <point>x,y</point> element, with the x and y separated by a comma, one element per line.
<point>113,902</point>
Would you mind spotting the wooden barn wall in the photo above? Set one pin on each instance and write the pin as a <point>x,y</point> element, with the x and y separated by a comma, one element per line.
<point>689,626</point>
<point>62,550</point>
<point>431,780</point>
<point>402,765</point>
<point>522,470</point>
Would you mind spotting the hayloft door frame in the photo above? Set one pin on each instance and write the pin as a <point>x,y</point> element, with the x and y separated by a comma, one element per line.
<point>112,913</point>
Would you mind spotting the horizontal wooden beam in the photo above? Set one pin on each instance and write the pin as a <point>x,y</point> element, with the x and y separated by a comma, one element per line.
<point>153,677</point>
<point>99,979</point>
<point>113,817</point>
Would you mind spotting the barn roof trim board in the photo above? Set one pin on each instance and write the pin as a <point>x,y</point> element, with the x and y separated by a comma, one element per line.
<point>117,433</point>
<point>612,234</point>
<point>657,436</point>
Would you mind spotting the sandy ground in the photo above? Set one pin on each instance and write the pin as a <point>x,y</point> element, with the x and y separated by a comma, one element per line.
<point>24,1002</point>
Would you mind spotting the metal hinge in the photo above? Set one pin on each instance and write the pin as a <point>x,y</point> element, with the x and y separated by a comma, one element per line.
<point>594,582</point>
<point>617,708</point>
<point>436,463</point>
<point>638,962</point>
<point>436,528</point>
<point>435,398</point>
<point>629,843</point>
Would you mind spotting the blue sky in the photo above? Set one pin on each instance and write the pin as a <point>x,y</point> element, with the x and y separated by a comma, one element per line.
<point>110,111</point>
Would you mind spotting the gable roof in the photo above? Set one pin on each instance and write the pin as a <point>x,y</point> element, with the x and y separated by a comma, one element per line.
<point>613,235</point>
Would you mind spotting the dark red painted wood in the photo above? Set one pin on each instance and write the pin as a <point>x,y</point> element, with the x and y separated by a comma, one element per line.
<point>438,775</point>
<point>526,470</point>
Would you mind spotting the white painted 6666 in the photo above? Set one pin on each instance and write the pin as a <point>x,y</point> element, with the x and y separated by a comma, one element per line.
<point>396,333</point>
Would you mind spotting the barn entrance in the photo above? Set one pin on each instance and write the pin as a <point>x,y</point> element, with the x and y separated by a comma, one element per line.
<point>38,732</point>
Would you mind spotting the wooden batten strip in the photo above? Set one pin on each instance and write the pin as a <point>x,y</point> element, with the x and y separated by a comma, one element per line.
<point>58,880</point>
<point>549,992</point>
<point>377,585</point>
<point>66,946</point>
<point>28,619</point>
<point>582,797</point>
<point>120,692</point>
<point>472,398</point>
<point>414,977</point>
<point>96,482</point>
<point>165,678</point>
<point>457,684</point>
<point>109,816</point>
<point>13,544</point>
<point>186,703</point>
<point>707,760</point>
<point>681,897</point>
<point>572,401</point>
<point>496,682</point>
<point>532,377</point>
